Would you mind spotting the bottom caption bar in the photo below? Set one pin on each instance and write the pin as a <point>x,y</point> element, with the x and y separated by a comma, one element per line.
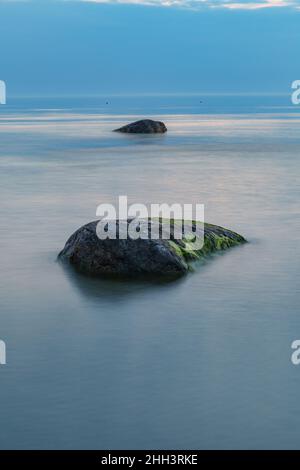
<point>135,459</point>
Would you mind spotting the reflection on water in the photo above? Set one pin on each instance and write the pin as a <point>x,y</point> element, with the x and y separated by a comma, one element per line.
<point>108,288</point>
<point>203,362</point>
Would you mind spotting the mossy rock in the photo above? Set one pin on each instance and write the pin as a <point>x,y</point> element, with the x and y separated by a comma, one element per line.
<point>171,257</point>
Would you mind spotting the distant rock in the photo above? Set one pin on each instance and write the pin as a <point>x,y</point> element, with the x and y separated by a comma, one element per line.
<point>145,126</point>
<point>142,257</point>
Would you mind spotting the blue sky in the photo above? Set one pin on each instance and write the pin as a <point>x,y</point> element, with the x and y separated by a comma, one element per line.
<point>152,46</point>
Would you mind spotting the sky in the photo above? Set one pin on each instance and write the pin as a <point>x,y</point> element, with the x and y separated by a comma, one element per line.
<point>86,47</point>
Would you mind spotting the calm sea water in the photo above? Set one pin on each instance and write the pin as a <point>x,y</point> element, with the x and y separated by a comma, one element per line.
<point>203,362</point>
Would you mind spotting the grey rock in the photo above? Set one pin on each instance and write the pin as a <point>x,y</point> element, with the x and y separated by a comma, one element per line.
<point>144,126</point>
<point>141,257</point>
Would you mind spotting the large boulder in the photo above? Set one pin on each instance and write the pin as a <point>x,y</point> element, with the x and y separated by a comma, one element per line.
<point>144,126</point>
<point>143,257</point>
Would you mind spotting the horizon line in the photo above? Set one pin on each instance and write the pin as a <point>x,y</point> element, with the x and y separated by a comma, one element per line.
<point>149,94</point>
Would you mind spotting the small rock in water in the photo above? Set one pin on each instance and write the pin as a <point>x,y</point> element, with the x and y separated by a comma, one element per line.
<point>144,126</point>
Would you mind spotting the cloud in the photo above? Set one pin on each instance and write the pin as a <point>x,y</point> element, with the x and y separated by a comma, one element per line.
<point>194,4</point>
<point>258,5</point>
<point>197,4</point>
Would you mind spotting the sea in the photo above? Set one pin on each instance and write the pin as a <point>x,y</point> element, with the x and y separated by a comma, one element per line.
<point>203,362</point>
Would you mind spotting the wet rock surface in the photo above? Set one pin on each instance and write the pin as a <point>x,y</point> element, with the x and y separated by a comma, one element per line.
<point>143,257</point>
<point>144,126</point>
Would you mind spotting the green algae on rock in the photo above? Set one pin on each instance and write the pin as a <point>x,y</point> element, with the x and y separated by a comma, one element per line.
<point>140,257</point>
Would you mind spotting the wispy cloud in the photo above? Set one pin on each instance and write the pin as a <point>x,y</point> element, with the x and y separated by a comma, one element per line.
<point>197,4</point>
<point>194,4</point>
<point>258,5</point>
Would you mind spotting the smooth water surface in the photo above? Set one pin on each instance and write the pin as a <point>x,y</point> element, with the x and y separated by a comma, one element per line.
<point>203,362</point>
